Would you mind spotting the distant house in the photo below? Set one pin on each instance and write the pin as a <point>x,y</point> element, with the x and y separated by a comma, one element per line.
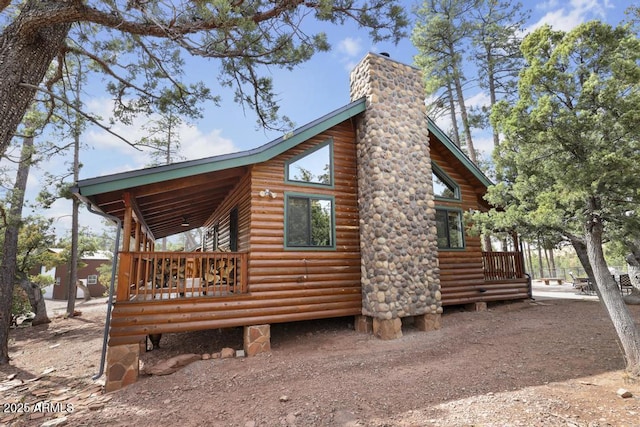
<point>88,275</point>
<point>358,213</point>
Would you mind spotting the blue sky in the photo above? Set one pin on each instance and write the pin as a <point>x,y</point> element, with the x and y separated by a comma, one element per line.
<point>306,93</point>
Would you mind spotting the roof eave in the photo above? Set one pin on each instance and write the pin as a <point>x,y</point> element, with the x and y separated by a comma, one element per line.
<point>120,181</point>
<point>458,153</point>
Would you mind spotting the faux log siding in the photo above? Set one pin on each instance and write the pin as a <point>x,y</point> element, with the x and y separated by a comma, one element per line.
<point>240,197</point>
<point>272,268</point>
<point>283,285</point>
<point>461,272</point>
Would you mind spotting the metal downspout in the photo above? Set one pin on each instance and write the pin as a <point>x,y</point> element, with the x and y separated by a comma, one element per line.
<point>114,263</point>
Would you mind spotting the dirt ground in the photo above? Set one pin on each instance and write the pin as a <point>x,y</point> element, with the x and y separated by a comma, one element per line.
<point>547,362</point>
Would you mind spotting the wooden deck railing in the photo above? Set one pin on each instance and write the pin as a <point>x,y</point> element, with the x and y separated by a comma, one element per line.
<point>502,266</point>
<point>172,275</point>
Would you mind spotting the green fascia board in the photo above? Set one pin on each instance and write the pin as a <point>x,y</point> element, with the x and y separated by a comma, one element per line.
<point>121,181</point>
<point>458,153</point>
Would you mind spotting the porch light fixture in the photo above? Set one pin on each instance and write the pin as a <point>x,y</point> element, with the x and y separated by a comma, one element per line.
<point>185,222</point>
<point>268,193</point>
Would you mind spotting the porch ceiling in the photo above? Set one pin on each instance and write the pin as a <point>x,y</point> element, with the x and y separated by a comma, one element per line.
<point>165,205</point>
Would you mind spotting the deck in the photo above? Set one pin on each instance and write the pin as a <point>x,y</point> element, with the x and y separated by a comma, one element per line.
<point>164,292</point>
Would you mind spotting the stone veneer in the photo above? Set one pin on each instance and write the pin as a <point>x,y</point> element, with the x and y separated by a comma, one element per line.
<point>122,366</point>
<point>399,255</point>
<point>257,339</point>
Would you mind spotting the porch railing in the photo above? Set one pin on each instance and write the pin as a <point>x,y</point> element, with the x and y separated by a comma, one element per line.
<point>172,275</point>
<point>502,266</point>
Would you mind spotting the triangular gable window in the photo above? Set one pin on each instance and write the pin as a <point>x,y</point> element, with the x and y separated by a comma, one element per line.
<point>443,186</point>
<point>314,166</point>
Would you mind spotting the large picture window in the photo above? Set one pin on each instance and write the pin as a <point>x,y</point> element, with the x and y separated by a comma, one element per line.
<point>314,166</point>
<point>309,222</point>
<point>449,226</point>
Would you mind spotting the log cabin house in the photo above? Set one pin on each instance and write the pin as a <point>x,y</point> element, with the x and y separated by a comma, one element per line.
<point>358,213</point>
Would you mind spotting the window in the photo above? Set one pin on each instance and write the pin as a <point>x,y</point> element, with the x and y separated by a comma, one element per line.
<point>309,222</point>
<point>314,166</point>
<point>233,230</point>
<point>443,186</point>
<point>212,236</point>
<point>449,226</point>
<point>92,279</point>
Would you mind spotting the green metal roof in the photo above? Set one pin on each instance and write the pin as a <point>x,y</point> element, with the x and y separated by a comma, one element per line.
<point>458,153</point>
<point>120,181</point>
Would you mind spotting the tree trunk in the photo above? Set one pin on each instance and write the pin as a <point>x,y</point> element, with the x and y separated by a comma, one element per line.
<point>85,290</point>
<point>546,258</point>
<point>25,54</point>
<point>75,203</point>
<point>552,264</point>
<point>530,258</point>
<point>540,259</point>
<point>633,263</point>
<point>9,263</point>
<point>456,72</point>
<point>610,296</point>
<point>488,247</point>
<point>581,251</point>
<point>454,119</point>
<point>466,127</point>
<point>633,268</point>
<point>38,305</point>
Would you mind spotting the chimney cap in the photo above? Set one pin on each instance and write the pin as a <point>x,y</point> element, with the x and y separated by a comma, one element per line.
<point>385,54</point>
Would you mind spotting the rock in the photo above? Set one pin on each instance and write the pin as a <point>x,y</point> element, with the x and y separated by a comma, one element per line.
<point>284,398</point>
<point>55,422</point>
<point>171,365</point>
<point>291,419</point>
<point>206,356</point>
<point>624,393</point>
<point>227,353</point>
<point>240,353</point>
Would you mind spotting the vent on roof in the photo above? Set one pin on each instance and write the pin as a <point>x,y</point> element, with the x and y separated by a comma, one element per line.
<point>385,54</point>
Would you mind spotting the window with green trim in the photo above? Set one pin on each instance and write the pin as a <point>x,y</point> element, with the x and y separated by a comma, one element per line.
<point>443,186</point>
<point>309,221</point>
<point>449,226</point>
<point>314,166</point>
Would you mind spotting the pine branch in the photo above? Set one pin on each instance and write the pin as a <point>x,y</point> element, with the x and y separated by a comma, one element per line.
<point>82,113</point>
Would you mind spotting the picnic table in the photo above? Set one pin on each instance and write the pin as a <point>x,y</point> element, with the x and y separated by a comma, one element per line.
<point>548,280</point>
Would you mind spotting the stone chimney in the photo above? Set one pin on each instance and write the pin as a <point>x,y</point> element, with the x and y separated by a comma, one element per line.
<point>400,274</point>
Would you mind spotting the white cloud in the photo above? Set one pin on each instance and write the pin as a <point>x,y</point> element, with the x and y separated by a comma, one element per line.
<point>565,17</point>
<point>350,50</point>
<point>483,144</point>
<point>480,99</point>
<point>350,46</point>
<point>194,143</point>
